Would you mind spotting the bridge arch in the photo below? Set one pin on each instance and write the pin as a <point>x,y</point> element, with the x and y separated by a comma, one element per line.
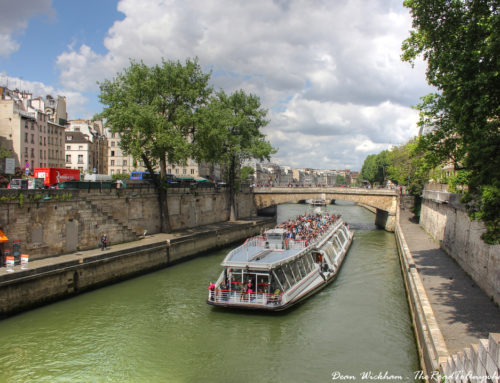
<point>384,201</point>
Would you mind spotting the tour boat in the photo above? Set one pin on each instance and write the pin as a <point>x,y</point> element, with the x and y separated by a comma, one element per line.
<point>318,202</point>
<point>283,266</point>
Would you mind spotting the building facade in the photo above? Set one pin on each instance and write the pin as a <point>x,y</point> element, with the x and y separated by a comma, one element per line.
<point>34,139</point>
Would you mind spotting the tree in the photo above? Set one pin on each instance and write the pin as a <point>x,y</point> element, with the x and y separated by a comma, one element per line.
<point>156,111</point>
<point>460,40</point>
<point>374,168</point>
<point>230,133</point>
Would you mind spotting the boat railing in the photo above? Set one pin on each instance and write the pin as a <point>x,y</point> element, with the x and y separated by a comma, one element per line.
<point>256,241</point>
<point>295,244</point>
<point>242,297</point>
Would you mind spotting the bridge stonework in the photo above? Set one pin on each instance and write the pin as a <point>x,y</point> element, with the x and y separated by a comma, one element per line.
<point>383,200</point>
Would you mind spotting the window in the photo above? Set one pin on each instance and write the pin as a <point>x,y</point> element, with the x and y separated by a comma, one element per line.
<point>184,171</point>
<point>112,144</point>
<point>25,137</point>
<point>176,171</point>
<point>32,153</point>
<point>41,154</point>
<point>26,152</point>
<point>112,153</point>
<point>117,162</point>
<point>32,138</point>
<point>69,138</point>
<point>80,158</point>
<point>32,126</point>
<point>80,147</point>
<point>45,141</point>
<point>68,147</point>
<point>192,171</point>
<point>112,163</point>
<point>41,141</point>
<point>124,162</point>
<point>26,124</point>
<point>169,171</point>
<point>68,158</point>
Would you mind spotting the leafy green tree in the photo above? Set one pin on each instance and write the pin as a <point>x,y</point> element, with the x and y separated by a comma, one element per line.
<point>460,41</point>
<point>374,169</point>
<point>340,180</point>
<point>230,133</point>
<point>156,111</point>
<point>246,172</point>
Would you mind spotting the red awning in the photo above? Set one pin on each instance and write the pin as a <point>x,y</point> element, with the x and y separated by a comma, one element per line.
<point>3,237</point>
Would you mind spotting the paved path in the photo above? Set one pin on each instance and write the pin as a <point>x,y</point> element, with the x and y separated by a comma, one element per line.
<point>62,260</point>
<point>463,311</point>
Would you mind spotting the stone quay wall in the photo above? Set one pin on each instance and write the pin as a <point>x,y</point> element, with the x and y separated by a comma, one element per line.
<point>60,277</point>
<point>478,363</point>
<point>57,222</point>
<point>430,342</point>
<point>446,220</point>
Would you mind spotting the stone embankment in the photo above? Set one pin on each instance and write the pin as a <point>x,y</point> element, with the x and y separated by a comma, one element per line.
<point>49,279</point>
<point>450,311</point>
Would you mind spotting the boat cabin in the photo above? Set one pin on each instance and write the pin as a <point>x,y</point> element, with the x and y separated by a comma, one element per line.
<point>275,239</point>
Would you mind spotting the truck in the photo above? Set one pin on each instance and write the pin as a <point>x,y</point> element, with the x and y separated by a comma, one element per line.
<point>53,176</point>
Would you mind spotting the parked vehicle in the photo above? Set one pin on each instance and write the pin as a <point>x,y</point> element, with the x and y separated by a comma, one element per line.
<point>53,176</point>
<point>36,183</point>
<point>18,183</point>
<point>98,177</point>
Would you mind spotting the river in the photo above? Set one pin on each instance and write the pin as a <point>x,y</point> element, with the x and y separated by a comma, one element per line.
<point>158,328</point>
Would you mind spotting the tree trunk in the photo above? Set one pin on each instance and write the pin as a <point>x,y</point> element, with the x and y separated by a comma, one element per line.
<point>162,196</point>
<point>232,180</point>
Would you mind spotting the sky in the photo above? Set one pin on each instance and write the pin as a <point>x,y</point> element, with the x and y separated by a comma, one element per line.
<point>328,71</point>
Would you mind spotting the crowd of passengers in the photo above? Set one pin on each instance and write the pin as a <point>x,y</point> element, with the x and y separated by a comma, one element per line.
<point>308,228</point>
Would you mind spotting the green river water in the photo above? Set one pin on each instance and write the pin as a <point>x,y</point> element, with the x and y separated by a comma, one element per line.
<point>158,328</point>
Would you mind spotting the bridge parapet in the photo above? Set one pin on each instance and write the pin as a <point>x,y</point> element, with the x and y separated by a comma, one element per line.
<point>384,200</point>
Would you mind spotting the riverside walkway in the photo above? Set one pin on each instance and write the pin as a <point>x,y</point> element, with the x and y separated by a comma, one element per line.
<point>149,240</point>
<point>462,310</point>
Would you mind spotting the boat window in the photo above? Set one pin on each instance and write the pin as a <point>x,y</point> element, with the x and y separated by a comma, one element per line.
<point>235,278</point>
<point>263,284</point>
<point>281,278</point>
<point>302,267</point>
<point>339,242</point>
<point>335,243</point>
<point>296,270</point>
<point>308,262</point>
<point>289,275</point>
<point>329,252</point>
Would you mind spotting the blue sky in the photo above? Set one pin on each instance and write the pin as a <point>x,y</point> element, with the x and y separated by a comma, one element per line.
<point>328,71</point>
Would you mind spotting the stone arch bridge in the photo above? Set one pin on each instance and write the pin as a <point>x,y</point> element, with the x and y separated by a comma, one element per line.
<point>382,201</point>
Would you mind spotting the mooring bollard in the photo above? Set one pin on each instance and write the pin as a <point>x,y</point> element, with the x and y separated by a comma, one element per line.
<point>24,261</point>
<point>9,262</point>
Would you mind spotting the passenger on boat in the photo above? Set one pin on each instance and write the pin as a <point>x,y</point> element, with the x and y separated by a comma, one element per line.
<point>211,287</point>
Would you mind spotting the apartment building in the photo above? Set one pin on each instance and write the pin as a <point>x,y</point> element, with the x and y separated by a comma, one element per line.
<point>29,130</point>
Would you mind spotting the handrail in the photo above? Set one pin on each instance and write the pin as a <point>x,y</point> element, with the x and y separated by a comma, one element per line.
<point>242,297</point>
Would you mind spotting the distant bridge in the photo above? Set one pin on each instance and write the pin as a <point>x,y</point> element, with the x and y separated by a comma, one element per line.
<point>382,201</point>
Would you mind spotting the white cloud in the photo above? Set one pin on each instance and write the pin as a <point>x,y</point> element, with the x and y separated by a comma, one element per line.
<point>14,19</point>
<point>329,71</point>
<point>76,102</point>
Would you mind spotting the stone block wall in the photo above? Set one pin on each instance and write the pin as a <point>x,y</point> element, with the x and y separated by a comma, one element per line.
<point>444,218</point>
<point>477,363</point>
<point>61,221</point>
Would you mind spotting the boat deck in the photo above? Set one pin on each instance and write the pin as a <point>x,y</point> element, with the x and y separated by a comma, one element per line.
<point>260,255</point>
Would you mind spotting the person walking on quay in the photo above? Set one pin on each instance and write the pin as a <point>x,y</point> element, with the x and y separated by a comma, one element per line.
<point>104,241</point>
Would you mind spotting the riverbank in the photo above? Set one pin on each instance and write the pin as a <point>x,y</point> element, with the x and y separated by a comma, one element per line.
<point>50,279</point>
<point>450,312</point>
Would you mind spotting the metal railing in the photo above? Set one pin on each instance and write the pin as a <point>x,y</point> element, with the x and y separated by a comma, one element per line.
<point>242,298</point>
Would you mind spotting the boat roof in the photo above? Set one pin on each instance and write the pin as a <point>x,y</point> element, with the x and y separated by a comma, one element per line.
<point>254,256</point>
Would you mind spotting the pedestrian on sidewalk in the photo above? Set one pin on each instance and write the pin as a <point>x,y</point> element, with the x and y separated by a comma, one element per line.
<point>104,241</point>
